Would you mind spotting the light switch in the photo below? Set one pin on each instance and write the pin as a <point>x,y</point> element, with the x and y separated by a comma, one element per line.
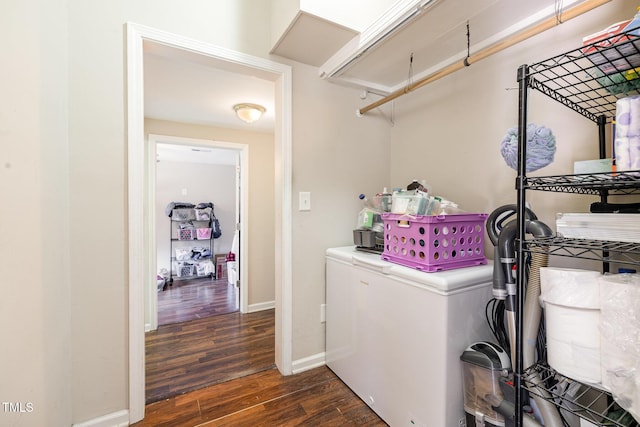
<point>305,201</point>
<point>184,191</point>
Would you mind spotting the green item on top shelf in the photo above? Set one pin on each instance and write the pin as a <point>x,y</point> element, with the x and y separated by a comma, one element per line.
<point>617,83</point>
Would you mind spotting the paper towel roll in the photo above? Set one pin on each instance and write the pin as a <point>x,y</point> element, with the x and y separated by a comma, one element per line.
<point>571,299</point>
<point>628,116</point>
<point>623,157</point>
<point>627,153</point>
<point>634,152</point>
<point>620,339</point>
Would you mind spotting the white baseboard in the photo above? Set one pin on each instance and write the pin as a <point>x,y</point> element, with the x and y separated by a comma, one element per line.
<point>261,306</point>
<point>307,363</point>
<point>114,419</point>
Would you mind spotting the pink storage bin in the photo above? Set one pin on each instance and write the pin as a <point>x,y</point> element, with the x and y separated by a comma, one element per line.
<point>435,242</point>
<point>204,233</point>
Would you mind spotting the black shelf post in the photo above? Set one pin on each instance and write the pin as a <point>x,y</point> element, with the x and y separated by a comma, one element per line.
<point>523,85</point>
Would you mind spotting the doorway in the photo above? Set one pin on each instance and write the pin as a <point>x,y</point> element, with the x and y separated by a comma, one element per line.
<point>139,251</point>
<point>190,170</point>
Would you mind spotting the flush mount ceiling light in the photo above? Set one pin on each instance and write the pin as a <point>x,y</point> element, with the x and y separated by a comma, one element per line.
<point>249,113</point>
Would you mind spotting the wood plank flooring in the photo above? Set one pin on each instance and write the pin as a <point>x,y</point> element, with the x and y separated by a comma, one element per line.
<point>312,398</point>
<point>190,355</point>
<point>219,371</point>
<point>196,299</point>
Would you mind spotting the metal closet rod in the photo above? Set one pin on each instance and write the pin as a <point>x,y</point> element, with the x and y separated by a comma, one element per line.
<point>490,50</point>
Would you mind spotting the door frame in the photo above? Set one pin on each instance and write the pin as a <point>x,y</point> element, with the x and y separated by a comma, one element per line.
<point>241,192</point>
<point>138,240</point>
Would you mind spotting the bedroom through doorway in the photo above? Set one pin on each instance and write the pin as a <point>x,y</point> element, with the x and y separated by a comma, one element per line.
<point>200,180</point>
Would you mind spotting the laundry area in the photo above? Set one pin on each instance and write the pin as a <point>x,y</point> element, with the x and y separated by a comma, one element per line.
<point>439,202</point>
<point>441,314</point>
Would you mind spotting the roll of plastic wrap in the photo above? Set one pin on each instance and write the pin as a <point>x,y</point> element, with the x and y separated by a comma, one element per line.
<point>620,338</point>
<point>571,300</point>
<point>571,287</point>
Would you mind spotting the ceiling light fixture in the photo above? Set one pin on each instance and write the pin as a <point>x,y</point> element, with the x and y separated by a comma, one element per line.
<point>249,113</point>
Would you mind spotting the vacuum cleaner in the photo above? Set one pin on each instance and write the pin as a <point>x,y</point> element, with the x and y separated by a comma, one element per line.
<point>497,391</point>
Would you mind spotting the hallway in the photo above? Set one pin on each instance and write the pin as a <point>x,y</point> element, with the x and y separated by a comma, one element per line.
<point>186,356</point>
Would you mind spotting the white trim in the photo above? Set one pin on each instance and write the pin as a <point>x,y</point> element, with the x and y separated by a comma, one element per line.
<point>151,298</point>
<point>114,419</point>
<point>284,273</point>
<point>281,75</point>
<point>261,306</point>
<point>243,149</point>
<point>308,363</point>
<point>135,185</point>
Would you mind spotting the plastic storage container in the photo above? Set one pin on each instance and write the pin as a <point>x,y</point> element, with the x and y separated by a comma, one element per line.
<point>187,234</point>
<point>434,243</point>
<point>203,233</point>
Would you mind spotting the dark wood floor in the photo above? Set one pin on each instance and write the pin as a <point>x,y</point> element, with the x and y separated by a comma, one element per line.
<point>190,355</point>
<point>312,398</point>
<point>196,299</point>
<point>219,370</point>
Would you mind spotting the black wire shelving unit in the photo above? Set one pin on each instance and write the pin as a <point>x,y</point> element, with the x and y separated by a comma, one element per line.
<point>590,402</point>
<point>588,80</point>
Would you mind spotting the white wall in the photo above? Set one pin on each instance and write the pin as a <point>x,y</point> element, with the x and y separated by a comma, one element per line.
<point>35,360</point>
<point>449,132</point>
<point>336,156</point>
<point>204,183</point>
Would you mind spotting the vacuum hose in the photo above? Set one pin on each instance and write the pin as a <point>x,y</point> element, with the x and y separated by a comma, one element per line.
<point>532,309</point>
<point>532,315</point>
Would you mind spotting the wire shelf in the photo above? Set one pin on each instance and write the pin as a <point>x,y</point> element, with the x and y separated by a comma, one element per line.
<point>587,404</point>
<point>615,183</point>
<point>597,250</point>
<point>574,79</point>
